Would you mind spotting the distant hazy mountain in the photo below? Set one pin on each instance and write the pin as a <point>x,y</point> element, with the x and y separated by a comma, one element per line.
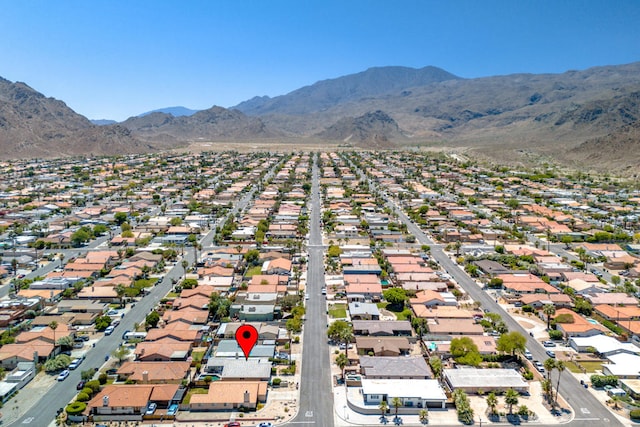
<point>324,94</point>
<point>32,125</point>
<point>174,111</point>
<point>103,122</point>
<point>213,123</point>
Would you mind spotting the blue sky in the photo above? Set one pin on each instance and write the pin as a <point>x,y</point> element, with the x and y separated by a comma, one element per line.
<point>114,59</point>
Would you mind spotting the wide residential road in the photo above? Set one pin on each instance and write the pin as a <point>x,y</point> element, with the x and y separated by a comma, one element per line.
<point>587,409</point>
<point>44,411</point>
<point>316,396</point>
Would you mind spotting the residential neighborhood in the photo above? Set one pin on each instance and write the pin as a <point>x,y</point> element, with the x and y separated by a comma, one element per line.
<point>425,288</point>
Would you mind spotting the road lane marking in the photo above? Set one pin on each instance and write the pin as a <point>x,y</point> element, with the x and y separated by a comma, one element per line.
<point>585,411</point>
<point>309,414</point>
<point>27,420</point>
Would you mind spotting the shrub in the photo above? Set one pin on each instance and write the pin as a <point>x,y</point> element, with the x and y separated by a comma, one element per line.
<point>634,414</point>
<point>527,308</point>
<point>82,397</point>
<point>523,411</point>
<point>102,378</point>
<point>599,381</point>
<point>93,385</point>
<point>76,408</point>
<point>555,335</point>
<point>276,382</point>
<point>88,390</point>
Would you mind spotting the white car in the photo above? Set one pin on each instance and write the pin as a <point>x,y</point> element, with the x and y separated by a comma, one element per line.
<point>75,363</point>
<point>63,375</point>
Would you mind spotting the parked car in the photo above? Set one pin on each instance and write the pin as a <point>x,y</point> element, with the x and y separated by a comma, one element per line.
<point>75,363</point>
<point>109,330</point>
<point>548,343</point>
<point>539,366</point>
<point>265,424</point>
<point>173,409</point>
<point>80,385</point>
<point>551,354</point>
<point>528,355</point>
<point>63,375</point>
<point>151,408</point>
<point>232,424</point>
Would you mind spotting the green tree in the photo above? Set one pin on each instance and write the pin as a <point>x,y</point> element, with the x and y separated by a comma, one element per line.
<point>252,256</point>
<point>334,251</point>
<point>511,342</point>
<point>341,331</point>
<point>436,366</point>
<point>549,310</point>
<point>152,319</point>
<point>567,240</point>
<point>99,229</point>
<point>294,325</point>
<point>120,217</point>
<point>58,363</point>
<point>511,398</point>
<point>80,236</point>
<point>465,351</point>
<point>395,296</point>
<point>121,353</point>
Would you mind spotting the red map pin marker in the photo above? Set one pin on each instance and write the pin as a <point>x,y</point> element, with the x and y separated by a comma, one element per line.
<point>246,337</point>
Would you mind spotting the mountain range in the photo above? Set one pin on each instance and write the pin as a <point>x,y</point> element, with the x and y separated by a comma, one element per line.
<point>571,117</point>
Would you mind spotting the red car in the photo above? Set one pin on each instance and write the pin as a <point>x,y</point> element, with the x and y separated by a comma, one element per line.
<point>232,424</point>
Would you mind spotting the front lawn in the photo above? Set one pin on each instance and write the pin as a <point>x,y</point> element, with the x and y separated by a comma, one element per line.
<point>338,311</point>
<point>591,367</point>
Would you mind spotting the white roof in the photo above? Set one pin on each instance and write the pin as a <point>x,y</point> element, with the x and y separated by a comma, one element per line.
<point>604,344</point>
<point>624,364</point>
<point>423,389</point>
<point>486,378</point>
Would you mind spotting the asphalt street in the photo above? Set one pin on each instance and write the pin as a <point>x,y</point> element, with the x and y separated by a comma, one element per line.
<point>316,397</point>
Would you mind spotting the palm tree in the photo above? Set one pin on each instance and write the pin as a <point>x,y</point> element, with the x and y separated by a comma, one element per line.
<point>549,310</point>
<point>384,407</point>
<point>54,325</point>
<point>120,291</point>
<point>492,402</point>
<point>549,365</point>
<point>615,399</point>
<point>511,398</point>
<point>396,403</point>
<point>560,366</point>
<point>423,415</point>
<point>547,389</point>
<point>185,264</point>
<point>342,361</point>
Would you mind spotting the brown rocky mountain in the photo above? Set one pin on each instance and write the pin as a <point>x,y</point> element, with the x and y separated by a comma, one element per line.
<point>32,125</point>
<point>215,123</point>
<point>574,116</point>
<point>502,116</point>
<point>618,151</point>
<point>376,129</point>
